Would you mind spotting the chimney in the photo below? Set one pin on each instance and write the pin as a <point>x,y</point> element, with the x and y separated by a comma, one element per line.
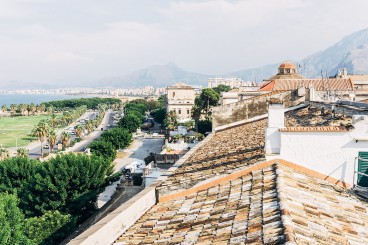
<point>276,119</point>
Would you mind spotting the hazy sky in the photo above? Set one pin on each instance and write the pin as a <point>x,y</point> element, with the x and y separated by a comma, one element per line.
<point>79,40</point>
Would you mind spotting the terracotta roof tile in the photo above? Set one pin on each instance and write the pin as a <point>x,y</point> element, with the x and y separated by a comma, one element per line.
<point>268,205</point>
<point>334,84</point>
<point>315,129</point>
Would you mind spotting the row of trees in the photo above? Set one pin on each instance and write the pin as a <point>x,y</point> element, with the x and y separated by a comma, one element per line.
<point>62,105</point>
<point>90,103</point>
<point>26,109</point>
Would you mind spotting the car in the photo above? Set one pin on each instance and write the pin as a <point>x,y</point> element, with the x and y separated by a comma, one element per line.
<point>47,146</point>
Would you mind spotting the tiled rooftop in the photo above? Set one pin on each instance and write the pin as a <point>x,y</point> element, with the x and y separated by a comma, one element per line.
<point>272,205</point>
<point>334,84</point>
<point>227,150</point>
<point>315,129</point>
<point>312,116</point>
<point>239,147</point>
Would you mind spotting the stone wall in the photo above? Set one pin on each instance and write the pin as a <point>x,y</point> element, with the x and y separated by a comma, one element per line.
<point>249,108</point>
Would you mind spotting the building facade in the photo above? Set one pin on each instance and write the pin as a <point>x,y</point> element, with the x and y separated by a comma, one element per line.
<point>233,82</point>
<point>180,99</point>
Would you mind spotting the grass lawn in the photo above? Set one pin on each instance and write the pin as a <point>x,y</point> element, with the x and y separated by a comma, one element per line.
<point>18,127</point>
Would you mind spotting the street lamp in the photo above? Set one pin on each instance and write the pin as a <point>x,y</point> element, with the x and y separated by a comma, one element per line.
<point>16,140</point>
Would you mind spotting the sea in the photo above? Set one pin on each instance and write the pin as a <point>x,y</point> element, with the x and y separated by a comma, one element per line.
<point>8,99</point>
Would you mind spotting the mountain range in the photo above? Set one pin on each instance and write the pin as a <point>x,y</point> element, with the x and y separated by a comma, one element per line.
<point>350,52</point>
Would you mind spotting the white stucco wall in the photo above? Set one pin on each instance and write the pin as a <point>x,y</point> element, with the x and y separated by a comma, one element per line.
<point>329,153</point>
<point>276,116</point>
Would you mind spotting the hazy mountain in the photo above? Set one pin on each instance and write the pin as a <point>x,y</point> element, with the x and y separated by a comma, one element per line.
<point>351,52</point>
<point>256,74</point>
<point>157,76</point>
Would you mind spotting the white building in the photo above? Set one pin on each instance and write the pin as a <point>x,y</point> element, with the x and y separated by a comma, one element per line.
<point>233,82</point>
<point>180,99</point>
<point>334,151</point>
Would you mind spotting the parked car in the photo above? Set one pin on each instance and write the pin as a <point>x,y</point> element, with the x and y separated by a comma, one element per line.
<point>47,146</point>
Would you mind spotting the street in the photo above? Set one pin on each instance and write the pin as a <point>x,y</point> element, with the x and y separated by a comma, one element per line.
<point>35,147</point>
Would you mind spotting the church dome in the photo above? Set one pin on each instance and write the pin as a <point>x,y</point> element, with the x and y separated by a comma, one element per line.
<point>287,65</point>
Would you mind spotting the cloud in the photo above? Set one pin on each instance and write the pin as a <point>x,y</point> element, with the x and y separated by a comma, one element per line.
<point>46,40</point>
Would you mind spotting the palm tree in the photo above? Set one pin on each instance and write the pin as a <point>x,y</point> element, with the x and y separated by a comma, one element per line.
<point>89,126</point>
<point>33,108</point>
<point>78,130</point>
<point>65,138</point>
<point>22,152</point>
<point>28,108</point>
<point>41,132</point>
<point>4,108</point>
<point>52,138</point>
<point>13,107</point>
<point>41,108</point>
<point>22,108</point>
<point>50,109</point>
<point>53,120</point>
<point>4,154</point>
<point>196,115</point>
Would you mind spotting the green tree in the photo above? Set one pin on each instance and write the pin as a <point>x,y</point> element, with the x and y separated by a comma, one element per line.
<point>50,228</point>
<point>204,126</point>
<point>4,108</point>
<point>22,152</point>
<point>119,137</point>
<point>171,120</point>
<point>13,108</point>
<point>4,153</point>
<point>104,149</point>
<point>65,138</point>
<point>53,120</point>
<point>89,126</point>
<point>152,105</point>
<point>221,88</point>
<point>41,131</point>
<point>16,173</point>
<point>68,183</point>
<point>78,130</point>
<point>52,138</point>
<point>159,115</point>
<point>12,221</point>
<point>129,122</point>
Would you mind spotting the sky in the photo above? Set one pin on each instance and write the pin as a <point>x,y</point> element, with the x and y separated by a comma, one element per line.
<point>67,41</point>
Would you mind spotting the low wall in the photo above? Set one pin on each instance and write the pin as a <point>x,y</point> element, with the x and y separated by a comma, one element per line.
<point>252,107</point>
<point>107,230</point>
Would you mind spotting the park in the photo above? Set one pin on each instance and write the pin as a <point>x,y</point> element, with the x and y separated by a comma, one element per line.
<point>16,131</point>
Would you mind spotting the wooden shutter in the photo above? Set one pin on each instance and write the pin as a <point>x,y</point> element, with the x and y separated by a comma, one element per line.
<point>363,168</point>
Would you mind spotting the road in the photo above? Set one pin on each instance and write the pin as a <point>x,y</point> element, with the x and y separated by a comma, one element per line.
<point>107,123</point>
<point>35,147</point>
<point>139,149</point>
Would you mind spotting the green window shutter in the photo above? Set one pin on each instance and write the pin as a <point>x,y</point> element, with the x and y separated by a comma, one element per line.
<point>363,168</point>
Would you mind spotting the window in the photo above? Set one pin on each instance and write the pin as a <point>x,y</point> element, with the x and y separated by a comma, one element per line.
<point>363,168</point>
<point>173,94</point>
<point>188,112</point>
<point>179,111</point>
<point>288,70</point>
